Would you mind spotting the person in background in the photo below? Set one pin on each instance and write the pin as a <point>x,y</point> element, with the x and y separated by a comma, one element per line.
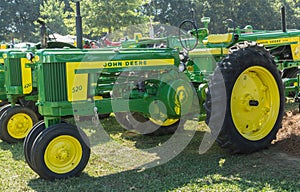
<point>86,45</point>
<point>93,45</point>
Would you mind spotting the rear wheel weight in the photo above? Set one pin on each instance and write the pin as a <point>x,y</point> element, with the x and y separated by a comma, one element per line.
<point>60,151</point>
<point>254,99</point>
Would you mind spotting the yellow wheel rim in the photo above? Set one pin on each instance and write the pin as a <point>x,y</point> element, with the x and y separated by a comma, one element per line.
<point>164,121</point>
<point>63,154</point>
<point>180,97</point>
<point>19,125</point>
<point>255,103</point>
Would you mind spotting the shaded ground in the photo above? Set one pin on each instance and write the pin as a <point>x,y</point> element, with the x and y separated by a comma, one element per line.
<point>288,137</point>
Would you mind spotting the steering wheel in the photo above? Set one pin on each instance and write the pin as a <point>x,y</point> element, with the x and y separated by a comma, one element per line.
<point>188,35</point>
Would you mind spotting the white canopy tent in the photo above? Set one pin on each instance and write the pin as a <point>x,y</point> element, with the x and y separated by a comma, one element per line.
<point>67,38</point>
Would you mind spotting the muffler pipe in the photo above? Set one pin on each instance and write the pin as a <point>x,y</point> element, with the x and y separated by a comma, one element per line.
<point>283,20</point>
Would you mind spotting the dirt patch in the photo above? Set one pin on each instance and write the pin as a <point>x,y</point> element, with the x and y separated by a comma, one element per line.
<point>288,137</point>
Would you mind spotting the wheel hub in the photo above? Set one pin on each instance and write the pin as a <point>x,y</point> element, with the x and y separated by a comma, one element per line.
<point>63,154</point>
<point>19,125</point>
<point>253,103</point>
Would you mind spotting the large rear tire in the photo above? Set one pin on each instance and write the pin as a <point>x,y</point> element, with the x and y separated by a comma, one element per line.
<point>254,99</point>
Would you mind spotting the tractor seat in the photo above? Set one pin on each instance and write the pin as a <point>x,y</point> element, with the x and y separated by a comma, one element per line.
<point>219,38</point>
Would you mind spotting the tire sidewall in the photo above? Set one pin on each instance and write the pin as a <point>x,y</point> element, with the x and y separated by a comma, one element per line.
<point>29,140</point>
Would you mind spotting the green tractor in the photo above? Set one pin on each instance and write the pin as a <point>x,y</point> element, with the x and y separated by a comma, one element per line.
<point>245,91</point>
<point>231,80</point>
<point>18,89</point>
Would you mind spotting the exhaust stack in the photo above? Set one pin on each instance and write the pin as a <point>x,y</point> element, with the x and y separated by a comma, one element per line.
<point>43,34</point>
<point>78,26</point>
<point>283,20</point>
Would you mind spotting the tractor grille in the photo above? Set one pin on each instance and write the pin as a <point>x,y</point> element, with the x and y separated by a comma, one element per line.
<point>15,72</point>
<point>55,82</point>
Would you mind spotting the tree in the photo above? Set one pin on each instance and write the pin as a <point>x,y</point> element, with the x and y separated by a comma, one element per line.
<point>110,15</point>
<point>17,18</point>
<point>242,12</point>
<point>53,12</point>
<point>169,12</point>
<point>292,11</point>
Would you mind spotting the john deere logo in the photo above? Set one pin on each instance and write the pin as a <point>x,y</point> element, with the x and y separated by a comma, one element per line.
<point>124,63</point>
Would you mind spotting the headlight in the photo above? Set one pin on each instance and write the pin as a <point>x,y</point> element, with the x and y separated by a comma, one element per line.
<point>181,67</point>
<point>30,56</point>
<point>181,57</point>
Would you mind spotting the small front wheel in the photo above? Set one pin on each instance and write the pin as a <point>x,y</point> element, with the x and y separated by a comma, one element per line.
<point>60,151</point>
<point>2,110</point>
<point>16,122</point>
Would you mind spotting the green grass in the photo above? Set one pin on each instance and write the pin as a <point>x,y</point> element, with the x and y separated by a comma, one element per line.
<point>111,168</point>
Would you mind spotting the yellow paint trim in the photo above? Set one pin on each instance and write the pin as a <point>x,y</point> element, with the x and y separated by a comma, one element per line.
<point>26,77</point>
<point>278,41</point>
<point>36,58</point>
<point>126,63</point>
<point>1,60</point>
<point>98,97</point>
<point>295,51</point>
<point>165,123</point>
<point>3,46</point>
<point>219,38</point>
<point>77,84</point>
<point>213,51</point>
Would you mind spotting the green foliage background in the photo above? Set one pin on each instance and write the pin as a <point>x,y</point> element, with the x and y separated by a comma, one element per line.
<point>18,17</point>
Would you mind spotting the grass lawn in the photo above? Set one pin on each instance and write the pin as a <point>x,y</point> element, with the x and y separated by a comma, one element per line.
<point>118,165</point>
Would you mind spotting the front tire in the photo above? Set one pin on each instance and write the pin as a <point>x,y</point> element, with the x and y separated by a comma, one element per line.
<point>16,122</point>
<point>29,140</point>
<point>2,110</point>
<point>60,151</point>
<point>254,99</point>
